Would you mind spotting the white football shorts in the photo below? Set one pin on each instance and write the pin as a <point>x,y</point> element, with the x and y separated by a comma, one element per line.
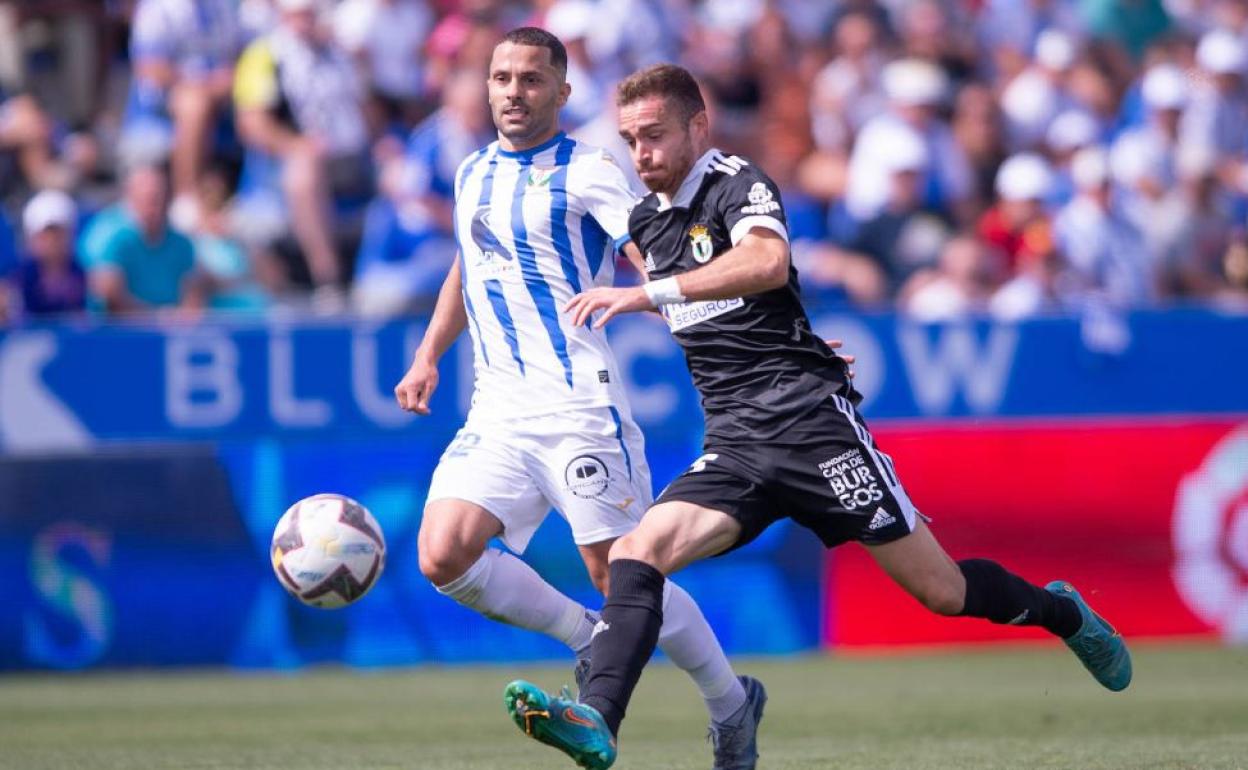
<point>587,464</point>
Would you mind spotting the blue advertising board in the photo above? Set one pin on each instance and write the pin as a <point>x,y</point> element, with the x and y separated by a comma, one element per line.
<point>142,469</point>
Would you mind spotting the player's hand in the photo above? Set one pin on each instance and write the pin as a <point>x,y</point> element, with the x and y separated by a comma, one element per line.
<point>849,358</point>
<point>611,300</point>
<point>414,390</point>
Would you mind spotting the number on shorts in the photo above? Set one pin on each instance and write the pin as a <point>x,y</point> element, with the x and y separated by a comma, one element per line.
<point>700,463</point>
<point>460,446</point>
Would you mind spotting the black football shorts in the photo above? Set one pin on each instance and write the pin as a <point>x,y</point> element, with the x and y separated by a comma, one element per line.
<point>825,473</point>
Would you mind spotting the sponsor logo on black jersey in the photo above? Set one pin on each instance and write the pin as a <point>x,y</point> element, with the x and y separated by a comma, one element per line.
<point>761,200</point>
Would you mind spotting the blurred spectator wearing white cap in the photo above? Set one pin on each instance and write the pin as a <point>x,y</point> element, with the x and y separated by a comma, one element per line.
<point>299,99</point>
<point>1104,250</point>
<point>387,39</point>
<point>1188,227</point>
<point>183,53</point>
<point>1038,94</point>
<point>48,280</point>
<point>901,239</point>
<point>1217,116</point>
<point>1164,91</point>
<point>916,90</point>
<point>1069,132</point>
<point>1024,183</point>
<point>961,283</point>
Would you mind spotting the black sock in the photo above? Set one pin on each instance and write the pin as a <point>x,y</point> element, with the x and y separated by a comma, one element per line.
<point>632,616</point>
<point>1003,597</point>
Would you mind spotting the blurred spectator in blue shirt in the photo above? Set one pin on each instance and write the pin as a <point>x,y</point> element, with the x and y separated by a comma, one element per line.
<point>916,89</point>
<point>1217,116</point>
<point>387,39</point>
<point>408,242</point>
<point>183,53</point>
<point>48,280</point>
<point>134,259</point>
<point>1103,249</point>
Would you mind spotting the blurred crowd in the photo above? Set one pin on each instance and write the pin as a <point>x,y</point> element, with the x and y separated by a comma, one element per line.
<point>944,157</point>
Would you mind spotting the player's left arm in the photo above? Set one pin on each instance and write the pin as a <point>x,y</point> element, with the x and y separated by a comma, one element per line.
<point>757,262</point>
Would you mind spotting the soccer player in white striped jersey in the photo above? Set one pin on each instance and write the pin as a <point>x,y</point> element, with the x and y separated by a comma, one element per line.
<point>538,219</point>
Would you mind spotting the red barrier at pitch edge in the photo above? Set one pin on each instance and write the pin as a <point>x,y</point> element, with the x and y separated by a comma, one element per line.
<point>1148,518</point>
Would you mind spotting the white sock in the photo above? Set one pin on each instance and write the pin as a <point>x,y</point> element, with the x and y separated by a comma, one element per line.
<point>504,588</point>
<point>688,640</point>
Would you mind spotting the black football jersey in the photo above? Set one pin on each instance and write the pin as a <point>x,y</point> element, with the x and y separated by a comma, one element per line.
<point>754,360</point>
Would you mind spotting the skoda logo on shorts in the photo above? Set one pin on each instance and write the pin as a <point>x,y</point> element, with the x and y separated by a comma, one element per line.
<point>586,476</point>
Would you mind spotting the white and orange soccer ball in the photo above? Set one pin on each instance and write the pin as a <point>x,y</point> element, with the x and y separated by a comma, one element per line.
<point>327,551</point>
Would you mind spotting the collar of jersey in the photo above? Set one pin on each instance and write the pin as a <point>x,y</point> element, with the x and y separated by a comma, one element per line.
<point>689,187</point>
<point>526,155</point>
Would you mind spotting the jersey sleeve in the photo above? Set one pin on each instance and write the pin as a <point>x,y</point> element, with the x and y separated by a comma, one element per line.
<point>607,196</point>
<point>749,199</point>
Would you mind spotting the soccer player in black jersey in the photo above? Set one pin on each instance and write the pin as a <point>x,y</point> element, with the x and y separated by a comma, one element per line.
<point>783,435</point>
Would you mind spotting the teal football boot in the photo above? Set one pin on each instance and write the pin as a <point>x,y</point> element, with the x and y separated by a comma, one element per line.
<point>574,728</point>
<point>1097,645</point>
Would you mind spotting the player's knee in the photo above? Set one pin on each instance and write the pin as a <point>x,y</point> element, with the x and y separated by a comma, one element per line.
<point>443,561</point>
<point>634,547</point>
<point>942,598</point>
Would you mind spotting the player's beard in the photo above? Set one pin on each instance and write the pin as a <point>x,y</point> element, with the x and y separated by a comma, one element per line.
<point>541,119</point>
<point>673,171</point>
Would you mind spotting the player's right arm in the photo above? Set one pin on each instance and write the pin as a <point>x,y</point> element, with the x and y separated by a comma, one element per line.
<point>448,322</point>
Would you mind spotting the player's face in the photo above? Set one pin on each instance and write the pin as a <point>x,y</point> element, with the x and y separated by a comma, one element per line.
<point>526,92</point>
<point>663,147</point>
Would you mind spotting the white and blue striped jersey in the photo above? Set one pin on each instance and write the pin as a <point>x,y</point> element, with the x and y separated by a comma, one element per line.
<point>534,229</point>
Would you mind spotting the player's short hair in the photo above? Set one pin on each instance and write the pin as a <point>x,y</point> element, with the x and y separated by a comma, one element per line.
<point>540,38</point>
<point>672,82</point>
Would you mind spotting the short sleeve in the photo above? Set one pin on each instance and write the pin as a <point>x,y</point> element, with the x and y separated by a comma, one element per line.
<point>606,195</point>
<point>255,79</point>
<point>749,199</point>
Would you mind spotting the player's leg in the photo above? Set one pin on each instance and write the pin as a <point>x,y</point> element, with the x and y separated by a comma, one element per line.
<point>684,637</point>
<point>595,473</point>
<point>902,544</point>
<point>971,587</point>
<point>479,492</point>
<point>622,645</point>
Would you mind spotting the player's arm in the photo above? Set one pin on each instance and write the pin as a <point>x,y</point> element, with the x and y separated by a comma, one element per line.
<point>758,263</point>
<point>633,254</point>
<point>448,322</point>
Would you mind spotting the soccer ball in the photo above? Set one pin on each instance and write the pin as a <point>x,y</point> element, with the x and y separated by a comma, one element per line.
<point>327,550</point>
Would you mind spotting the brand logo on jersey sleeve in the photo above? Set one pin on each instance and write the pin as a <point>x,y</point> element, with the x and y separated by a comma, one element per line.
<point>703,248</point>
<point>762,201</point>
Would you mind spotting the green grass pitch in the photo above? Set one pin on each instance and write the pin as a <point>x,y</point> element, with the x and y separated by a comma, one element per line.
<point>1028,707</point>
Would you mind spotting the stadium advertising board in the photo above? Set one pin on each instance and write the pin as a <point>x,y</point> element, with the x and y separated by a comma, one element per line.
<point>1101,449</point>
